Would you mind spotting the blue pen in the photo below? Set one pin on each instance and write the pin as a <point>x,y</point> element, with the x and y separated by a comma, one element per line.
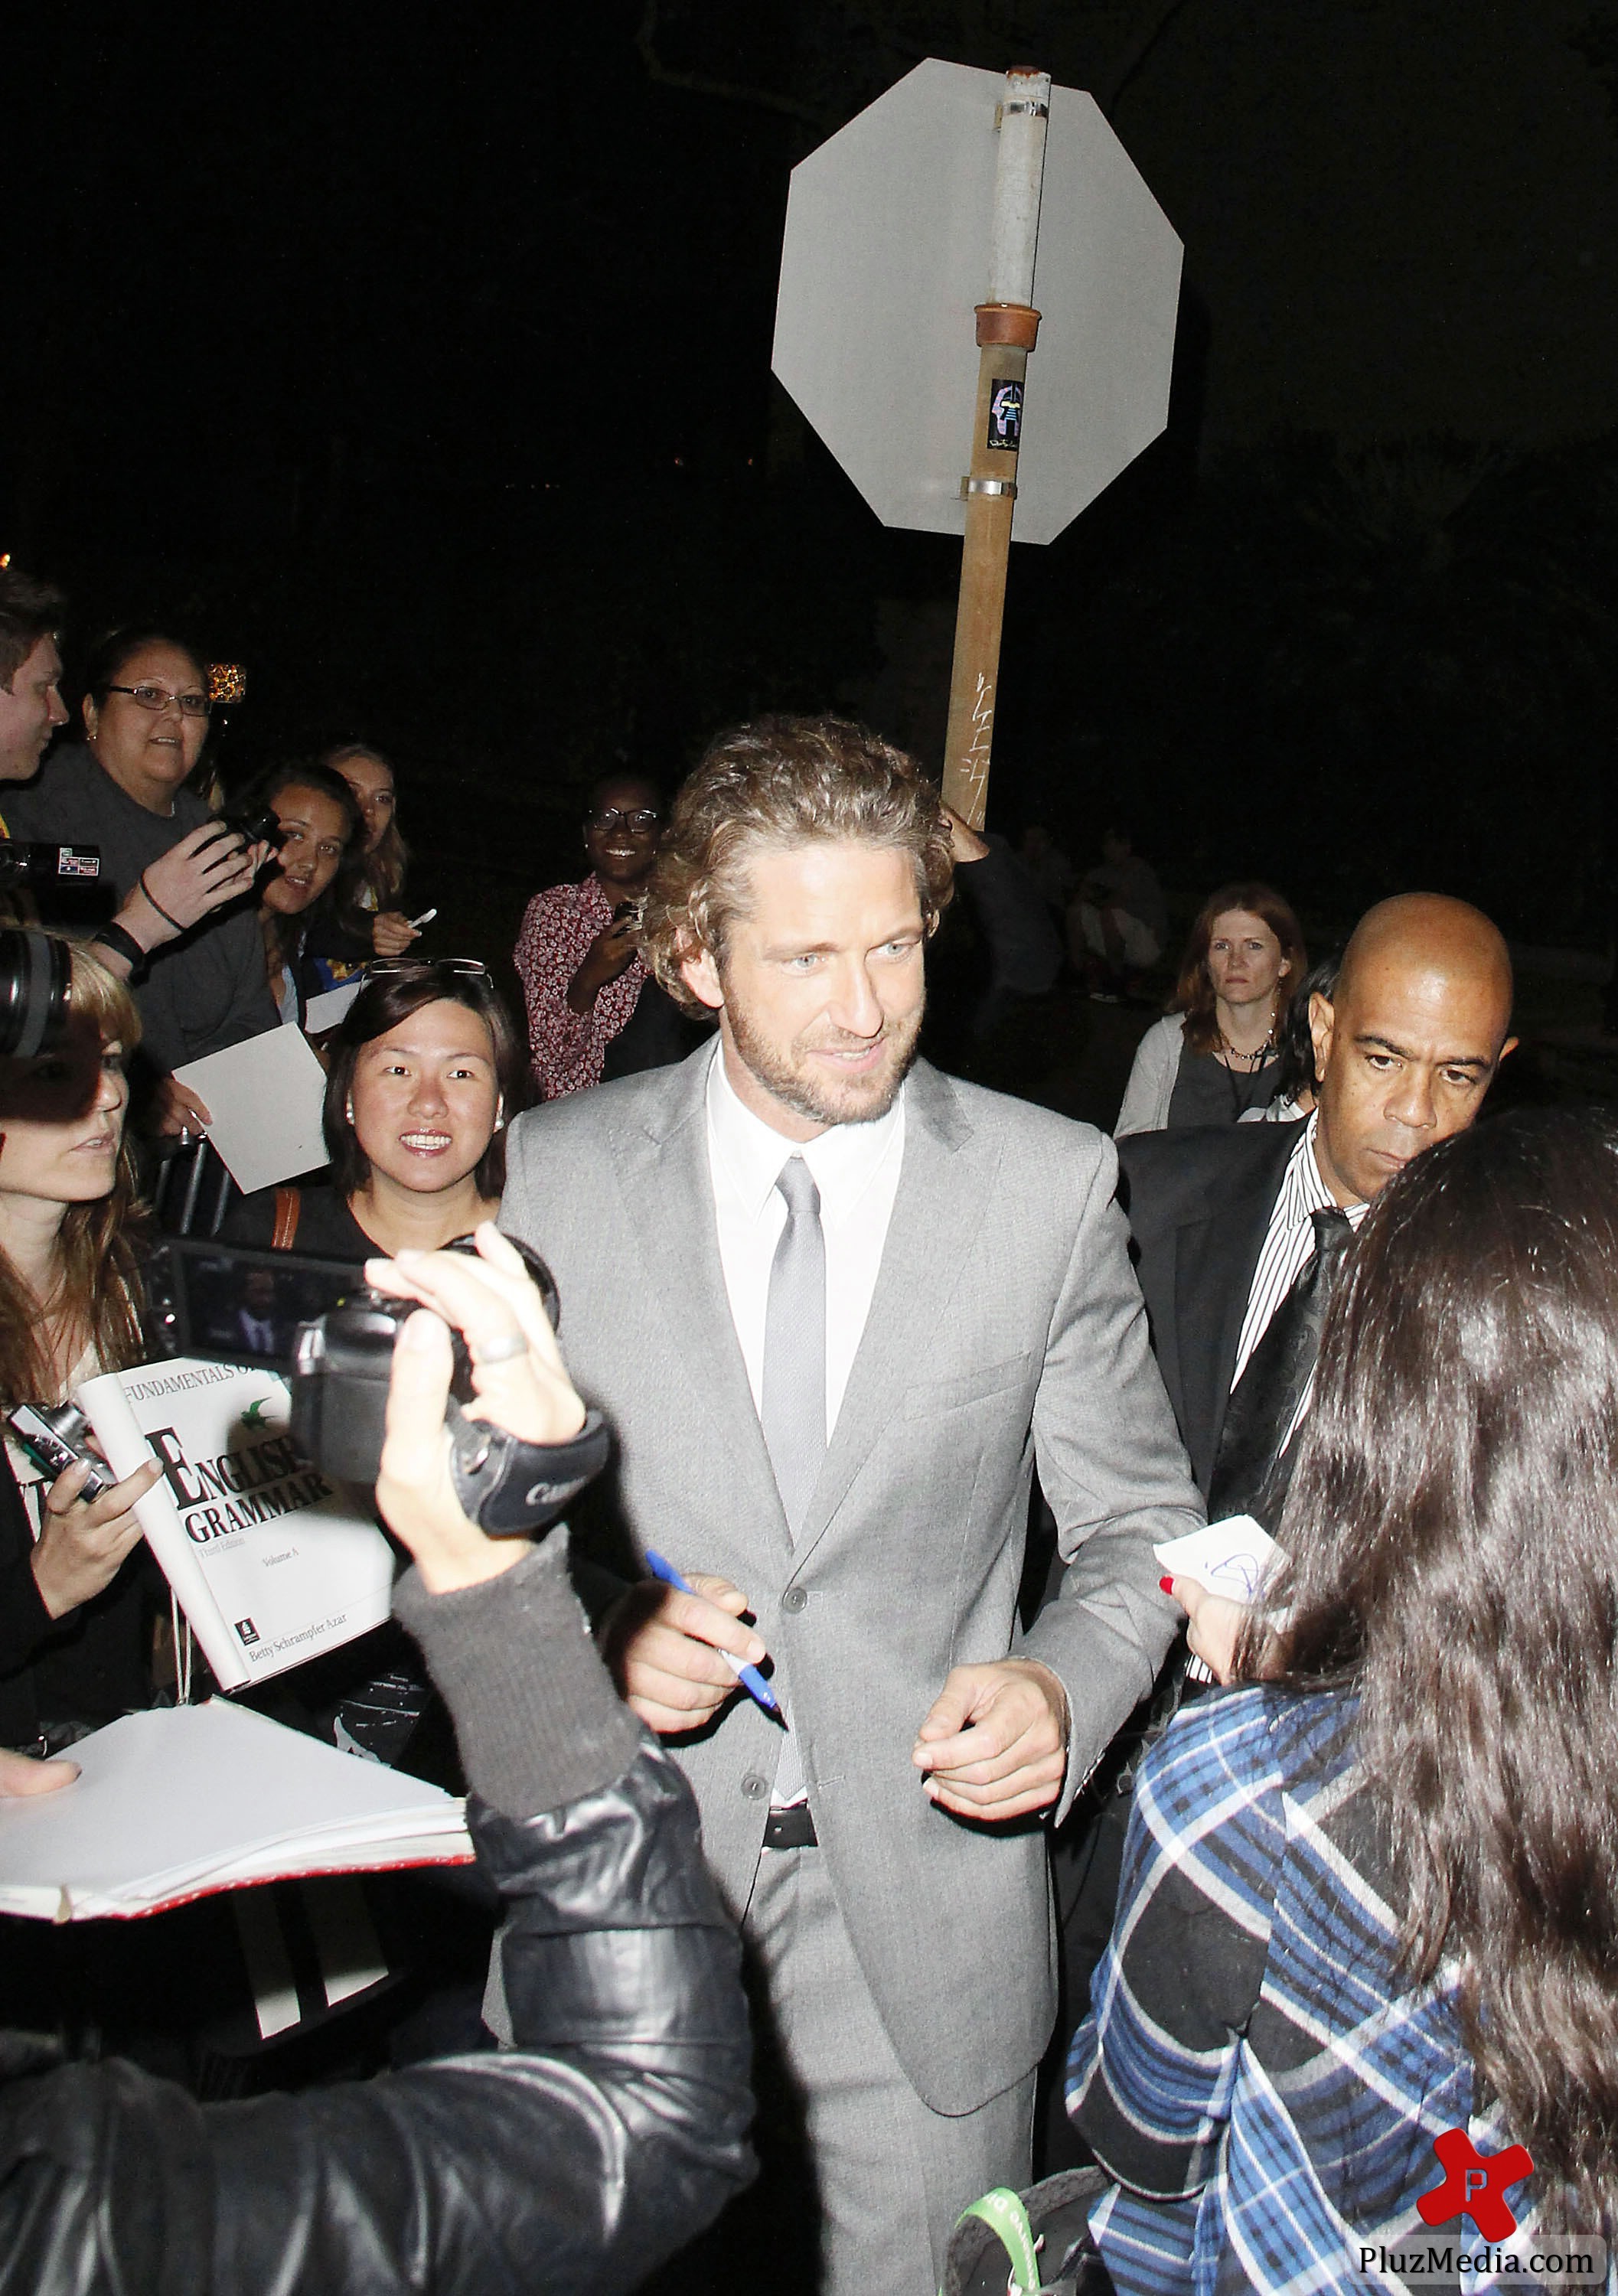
<point>752,1681</point>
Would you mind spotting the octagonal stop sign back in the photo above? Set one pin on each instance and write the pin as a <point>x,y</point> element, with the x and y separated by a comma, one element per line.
<point>886,255</point>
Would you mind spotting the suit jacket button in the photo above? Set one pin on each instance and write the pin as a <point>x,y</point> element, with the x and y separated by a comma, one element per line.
<point>793,1600</point>
<point>755,1787</point>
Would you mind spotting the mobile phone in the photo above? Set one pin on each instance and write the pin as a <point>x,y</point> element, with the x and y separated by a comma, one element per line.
<point>57,1438</point>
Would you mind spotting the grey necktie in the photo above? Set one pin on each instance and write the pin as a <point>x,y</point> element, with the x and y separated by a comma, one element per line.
<point>793,1411</point>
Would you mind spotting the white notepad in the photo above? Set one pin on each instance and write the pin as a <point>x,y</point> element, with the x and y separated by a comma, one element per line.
<point>1232,1557</point>
<point>264,1099</point>
<point>191,1799</point>
<point>326,1009</point>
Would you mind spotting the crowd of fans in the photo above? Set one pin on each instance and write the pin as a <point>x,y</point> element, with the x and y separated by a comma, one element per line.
<point>1336,1848</point>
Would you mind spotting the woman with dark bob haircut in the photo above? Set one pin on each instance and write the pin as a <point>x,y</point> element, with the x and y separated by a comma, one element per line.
<point>1215,1057</point>
<point>1370,1899</point>
<point>427,1072</point>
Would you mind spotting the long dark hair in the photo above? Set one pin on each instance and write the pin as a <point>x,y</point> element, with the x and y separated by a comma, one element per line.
<point>380,873</point>
<point>1194,990</point>
<point>283,934</point>
<point>96,1299</point>
<point>1453,1529</point>
<point>381,1005</point>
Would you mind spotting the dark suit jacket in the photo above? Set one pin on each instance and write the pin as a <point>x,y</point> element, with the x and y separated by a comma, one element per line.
<point>1198,1203</point>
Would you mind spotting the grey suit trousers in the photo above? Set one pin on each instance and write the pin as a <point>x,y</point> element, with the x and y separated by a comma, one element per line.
<point>892,2175</point>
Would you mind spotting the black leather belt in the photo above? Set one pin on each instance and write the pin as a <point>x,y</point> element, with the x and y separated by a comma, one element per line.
<point>791,1829</point>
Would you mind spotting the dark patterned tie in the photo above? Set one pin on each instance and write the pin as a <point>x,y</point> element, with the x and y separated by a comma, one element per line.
<point>793,1410</point>
<point>1253,1467</point>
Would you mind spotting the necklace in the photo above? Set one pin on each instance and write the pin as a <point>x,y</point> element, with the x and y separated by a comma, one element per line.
<point>1255,1060</point>
<point>1251,1070</point>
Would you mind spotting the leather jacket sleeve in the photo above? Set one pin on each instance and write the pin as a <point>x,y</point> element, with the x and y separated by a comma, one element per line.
<point>612,2133</point>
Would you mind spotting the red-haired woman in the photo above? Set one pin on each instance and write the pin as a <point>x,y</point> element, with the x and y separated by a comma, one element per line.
<point>1215,1056</point>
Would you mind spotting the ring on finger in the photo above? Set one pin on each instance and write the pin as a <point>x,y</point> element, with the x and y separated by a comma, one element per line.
<point>505,1347</point>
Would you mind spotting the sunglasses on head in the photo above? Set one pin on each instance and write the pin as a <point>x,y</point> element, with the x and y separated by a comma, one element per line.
<point>409,968</point>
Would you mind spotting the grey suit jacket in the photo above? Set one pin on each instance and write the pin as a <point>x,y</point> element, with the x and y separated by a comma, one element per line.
<point>1006,1322</point>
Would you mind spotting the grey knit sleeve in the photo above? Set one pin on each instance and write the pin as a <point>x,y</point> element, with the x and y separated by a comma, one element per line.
<point>535,1715</point>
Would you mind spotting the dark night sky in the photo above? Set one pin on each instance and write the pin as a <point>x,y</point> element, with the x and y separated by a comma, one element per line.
<point>370,352</point>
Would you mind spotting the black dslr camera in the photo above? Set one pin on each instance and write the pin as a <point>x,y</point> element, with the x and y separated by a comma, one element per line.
<point>35,974</point>
<point>258,825</point>
<point>45,864</point>
<point>341,1364</point>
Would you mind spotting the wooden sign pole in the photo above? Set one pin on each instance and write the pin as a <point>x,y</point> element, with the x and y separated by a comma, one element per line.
<point>1007,327</point>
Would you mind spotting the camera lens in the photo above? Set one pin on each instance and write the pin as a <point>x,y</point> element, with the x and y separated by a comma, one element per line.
<point>34,976</point>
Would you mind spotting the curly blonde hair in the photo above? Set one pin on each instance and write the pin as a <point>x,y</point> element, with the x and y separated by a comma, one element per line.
<point>781,782</point>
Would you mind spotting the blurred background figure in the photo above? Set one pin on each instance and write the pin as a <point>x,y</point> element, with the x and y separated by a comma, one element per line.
<point>426,1068</point>
<point>1216,1055</point>
<point>1019,933</point>
<point>1118,928</point>
<point>1049,867</point>
<point>594,1010</point>
<point>164,874</point>
<point>321,829</point>
<point>79,1595</point>
<point>370,916</point>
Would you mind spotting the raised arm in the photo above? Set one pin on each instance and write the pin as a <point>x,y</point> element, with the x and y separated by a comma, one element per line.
<point>615,2128</point>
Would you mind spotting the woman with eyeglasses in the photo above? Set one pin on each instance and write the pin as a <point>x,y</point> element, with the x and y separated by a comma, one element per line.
<point>594,1010</point>
<point>165,910</point>
<point>426,1071</point>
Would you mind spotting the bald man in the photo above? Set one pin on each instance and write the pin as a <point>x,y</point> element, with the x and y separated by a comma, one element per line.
<point>1239,1232</point>
<point>1231,1220</point>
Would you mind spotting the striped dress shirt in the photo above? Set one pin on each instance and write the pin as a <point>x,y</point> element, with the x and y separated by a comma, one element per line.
<point>1288,1243</point>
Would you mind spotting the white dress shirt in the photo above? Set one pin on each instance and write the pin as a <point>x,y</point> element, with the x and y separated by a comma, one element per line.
<point>856,1169</point>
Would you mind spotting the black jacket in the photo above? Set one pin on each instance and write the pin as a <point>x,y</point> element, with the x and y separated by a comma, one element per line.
<point>1199,1202</point>
<point>577,2161</point>
<point>87,1667</point>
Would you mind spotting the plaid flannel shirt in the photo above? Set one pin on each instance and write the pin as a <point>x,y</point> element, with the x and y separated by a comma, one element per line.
<point>1255,2072</point>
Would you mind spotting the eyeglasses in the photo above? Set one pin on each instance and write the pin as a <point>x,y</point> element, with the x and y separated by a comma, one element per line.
<point>157,697</point>
<point>643,818</point>
<point>407,968</point>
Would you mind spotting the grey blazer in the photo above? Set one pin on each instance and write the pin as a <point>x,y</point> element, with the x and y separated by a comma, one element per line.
<point>1006,1322</point>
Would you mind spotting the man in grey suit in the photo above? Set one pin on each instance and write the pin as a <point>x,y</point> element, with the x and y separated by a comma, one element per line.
<point>835,1305</point>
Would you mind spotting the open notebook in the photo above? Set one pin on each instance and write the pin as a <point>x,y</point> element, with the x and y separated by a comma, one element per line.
<point>179,1803</point>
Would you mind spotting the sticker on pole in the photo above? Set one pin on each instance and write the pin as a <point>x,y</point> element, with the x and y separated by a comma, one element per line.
<point>1005,415</point>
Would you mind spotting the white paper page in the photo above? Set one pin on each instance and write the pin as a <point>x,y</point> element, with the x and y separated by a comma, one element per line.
<point>104,1404</point>
<point>326,1009</point>
<point>200,1796</point>
<point>264,1098</point>
<point>1230,1558</point>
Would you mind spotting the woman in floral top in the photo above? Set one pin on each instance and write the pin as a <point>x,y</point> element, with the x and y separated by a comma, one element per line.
<point>581,970</point>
